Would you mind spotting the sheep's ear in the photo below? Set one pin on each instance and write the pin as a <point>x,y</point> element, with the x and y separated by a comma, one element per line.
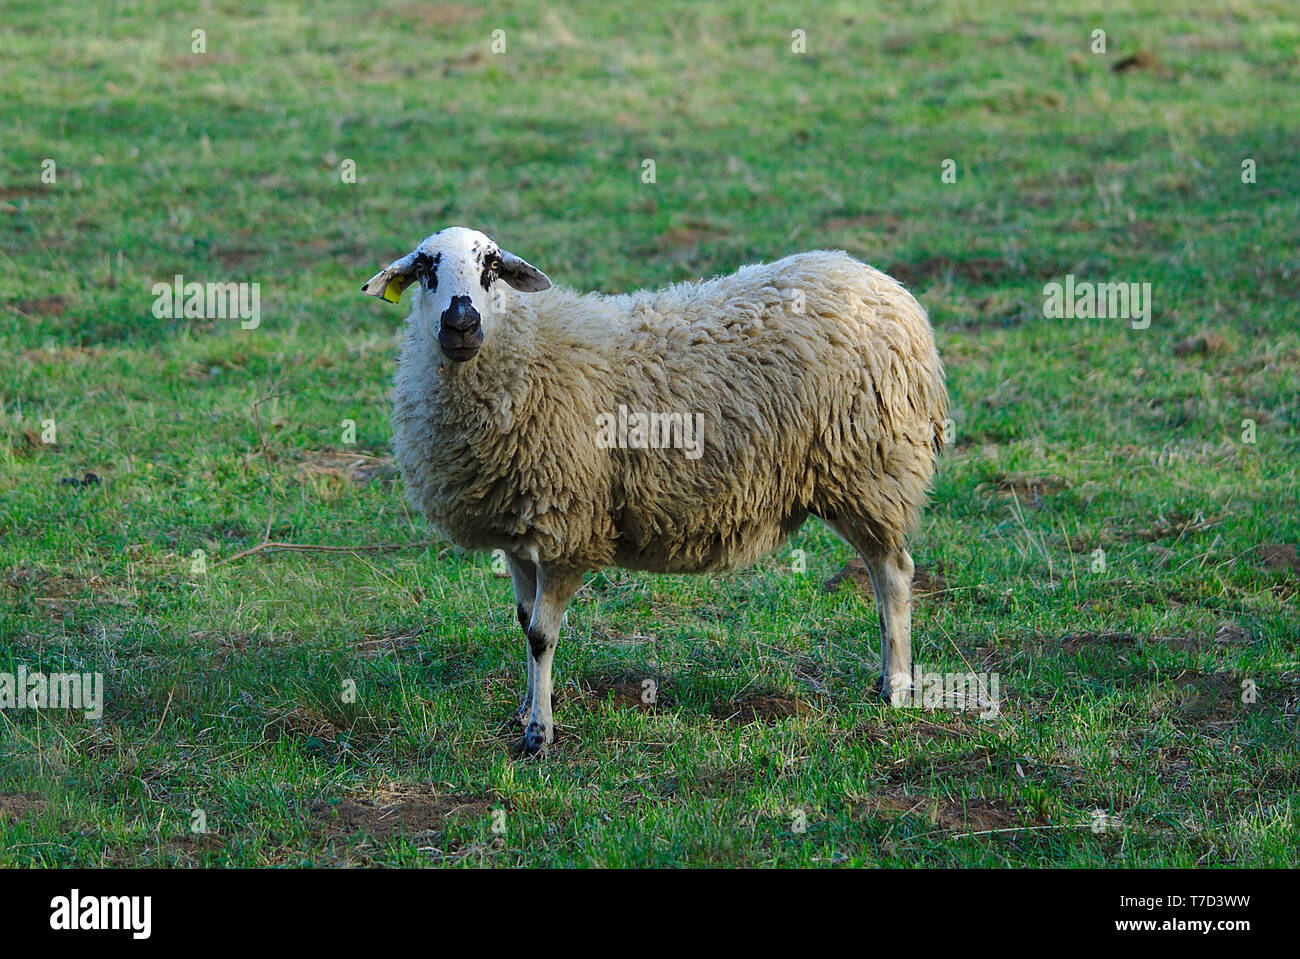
<point>391,281</point>
<point>521,274</point>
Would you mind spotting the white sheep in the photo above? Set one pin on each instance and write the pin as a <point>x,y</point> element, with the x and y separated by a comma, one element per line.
<point>546,425</point>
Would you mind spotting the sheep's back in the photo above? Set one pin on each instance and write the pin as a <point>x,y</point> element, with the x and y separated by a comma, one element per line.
<point>820,390</point>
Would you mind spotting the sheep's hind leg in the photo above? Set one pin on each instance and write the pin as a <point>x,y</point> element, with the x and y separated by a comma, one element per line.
<point>523,574</point>
<point>891,580</point>
<point>555,587</point>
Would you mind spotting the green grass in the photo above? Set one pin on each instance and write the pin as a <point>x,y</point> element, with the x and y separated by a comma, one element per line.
<point>1122,687</point>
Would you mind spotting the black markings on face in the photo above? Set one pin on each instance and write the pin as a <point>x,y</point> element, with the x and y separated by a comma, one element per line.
<point>489,262</point>
<point>426,270</point>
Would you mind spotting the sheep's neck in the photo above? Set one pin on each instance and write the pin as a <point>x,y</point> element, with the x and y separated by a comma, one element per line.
<point>498,374</point>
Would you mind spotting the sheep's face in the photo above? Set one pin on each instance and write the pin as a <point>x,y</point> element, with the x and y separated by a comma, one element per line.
<point>457,270</point>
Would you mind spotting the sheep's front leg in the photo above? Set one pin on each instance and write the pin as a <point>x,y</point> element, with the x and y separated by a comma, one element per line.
<point>523,575</point>
<point>891,580</point>
<point>555,587</point>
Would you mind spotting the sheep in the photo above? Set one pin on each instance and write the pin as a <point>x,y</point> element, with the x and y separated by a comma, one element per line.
<point>814,379</point>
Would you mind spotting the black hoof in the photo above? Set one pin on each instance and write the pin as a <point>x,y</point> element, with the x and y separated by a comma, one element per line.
<point>534,741</point>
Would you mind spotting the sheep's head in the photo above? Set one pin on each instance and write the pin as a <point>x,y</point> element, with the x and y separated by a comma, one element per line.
<point>456,269</point>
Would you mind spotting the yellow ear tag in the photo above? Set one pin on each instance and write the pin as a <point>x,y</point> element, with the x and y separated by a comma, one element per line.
<point>393,291</point>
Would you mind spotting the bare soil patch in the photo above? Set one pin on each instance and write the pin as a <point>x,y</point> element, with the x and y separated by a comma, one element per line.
<point>353,467</point>
<point>1279,556</point>
<point>1142,60</point>
<point>1028,488</point>
<point>1202,344</point>
<point>925,582</point>
<point>974,814</point>
<point>410,811</point>
<point>15,806</point>
<point>1074,642</point>
<point>759,708</point>
<point>932,268</point>
<point>624,694</point>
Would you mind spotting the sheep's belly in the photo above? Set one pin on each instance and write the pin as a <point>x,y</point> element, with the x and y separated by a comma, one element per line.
<point>703,550</point>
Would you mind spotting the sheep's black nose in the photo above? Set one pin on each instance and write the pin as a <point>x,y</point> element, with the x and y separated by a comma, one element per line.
<point>460,316</point>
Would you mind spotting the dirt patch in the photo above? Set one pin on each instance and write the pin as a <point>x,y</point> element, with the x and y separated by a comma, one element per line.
<point>975,814</point>
<point>760,708</point>
<point>812,674</point>
<point>1279,556</point>
<point>1142,60</point>
<point>227,531</point>
<point>625,694</point>
<point>936,268</point>
<point>28,443</point>
<point>873,222</point>
<point>1200,344</point>
<point>690,235</point>
<point>21,190</point>
<point>855,571</point>
<point>434,14</point>
<point>412,812</point>
<point>1185,642</point>
<point>62,355</point>
<point>1161,556</point>
<point>300,723</point>
<point>1175,526</point>
<point>388,642</point>
<point>189,848</point>
<point>55,593</point>
<point>1073,642</point>
<point>1176,766</point>
<point>608,635</point>
<point>353,467</point>
<point>929,583</point>
<point>43,306</point>
<point>719,779</point>
<point>1028,488</point>
<point>1172,527</point>
<point>1204,697</point>
<point>867,732</point>
<point>14,807</point>
<point>1228,632</point>
<point>1264,361</point>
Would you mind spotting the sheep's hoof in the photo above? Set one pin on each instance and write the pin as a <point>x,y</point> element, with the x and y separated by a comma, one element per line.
<point>884,692</point>
<point>897,693</point>
<point>535,740</point>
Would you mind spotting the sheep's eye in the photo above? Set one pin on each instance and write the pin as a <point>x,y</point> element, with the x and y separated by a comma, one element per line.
<point>494,264</point>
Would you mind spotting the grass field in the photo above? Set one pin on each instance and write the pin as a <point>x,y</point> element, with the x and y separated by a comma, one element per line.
<point>1125,736</point>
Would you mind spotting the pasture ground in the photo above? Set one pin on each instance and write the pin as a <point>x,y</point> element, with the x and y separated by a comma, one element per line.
<point>1126,736</point>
